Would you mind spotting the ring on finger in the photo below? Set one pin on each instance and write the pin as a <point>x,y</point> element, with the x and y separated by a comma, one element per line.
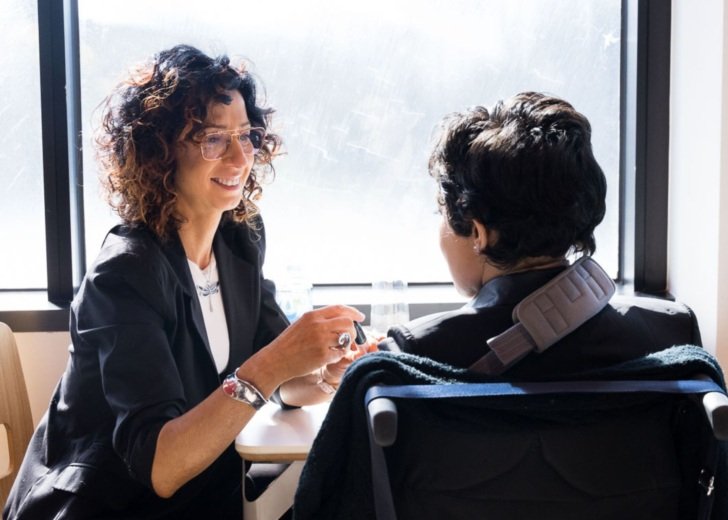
<point>344,340</point>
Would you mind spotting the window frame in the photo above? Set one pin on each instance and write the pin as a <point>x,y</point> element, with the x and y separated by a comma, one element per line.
<point>644,148</point>
<point>62,160</point>
<point>644,168</point>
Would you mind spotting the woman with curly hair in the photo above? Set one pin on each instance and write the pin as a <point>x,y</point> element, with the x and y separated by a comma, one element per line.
<point>176,337</point>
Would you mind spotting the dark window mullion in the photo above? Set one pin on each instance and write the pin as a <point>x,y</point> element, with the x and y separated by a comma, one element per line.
<point>645,132</point>
<point>63,207</point>
<point>651,250</point>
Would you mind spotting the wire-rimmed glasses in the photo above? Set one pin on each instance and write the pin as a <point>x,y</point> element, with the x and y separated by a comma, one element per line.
<point>215,144</point>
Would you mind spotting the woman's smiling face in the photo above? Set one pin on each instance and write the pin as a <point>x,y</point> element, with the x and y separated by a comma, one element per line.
<point>209,188</point>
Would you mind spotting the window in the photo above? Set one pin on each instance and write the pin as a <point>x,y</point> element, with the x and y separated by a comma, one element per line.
<point>22,231</point>
<point>358,88</point>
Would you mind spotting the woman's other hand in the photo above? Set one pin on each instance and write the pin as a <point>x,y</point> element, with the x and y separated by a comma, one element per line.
<point>333,372</point>
<point>306,345</point>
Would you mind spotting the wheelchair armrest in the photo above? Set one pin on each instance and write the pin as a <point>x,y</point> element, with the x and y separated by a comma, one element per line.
<point>716,408</point>
<point>382,415</point>
<point>715,405</point>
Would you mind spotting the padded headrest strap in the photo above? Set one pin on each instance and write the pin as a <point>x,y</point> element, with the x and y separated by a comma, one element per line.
<point>549,314</point>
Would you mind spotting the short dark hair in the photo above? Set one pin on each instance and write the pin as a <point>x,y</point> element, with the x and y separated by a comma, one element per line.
<point>162,101</point>
<point>526,170</point>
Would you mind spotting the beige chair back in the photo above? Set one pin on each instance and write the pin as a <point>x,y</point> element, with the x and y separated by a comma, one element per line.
<point>15,413</point>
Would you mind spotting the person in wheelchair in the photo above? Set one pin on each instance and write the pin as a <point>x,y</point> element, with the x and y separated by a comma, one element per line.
<point>519,192</point>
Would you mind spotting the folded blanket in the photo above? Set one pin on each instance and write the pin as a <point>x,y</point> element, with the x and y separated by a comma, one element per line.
<point>336,479</point>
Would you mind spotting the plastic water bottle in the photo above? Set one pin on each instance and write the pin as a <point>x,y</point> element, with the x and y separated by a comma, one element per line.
<point>294,293</point>
<point>389,305</point>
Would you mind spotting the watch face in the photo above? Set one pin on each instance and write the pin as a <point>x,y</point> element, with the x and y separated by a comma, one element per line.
<point>230,386</point>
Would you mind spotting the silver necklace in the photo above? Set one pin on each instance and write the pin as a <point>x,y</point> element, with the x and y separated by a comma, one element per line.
<point>209,288</point>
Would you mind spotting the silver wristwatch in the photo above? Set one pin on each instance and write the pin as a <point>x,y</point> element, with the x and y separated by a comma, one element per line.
<point>243,391</point>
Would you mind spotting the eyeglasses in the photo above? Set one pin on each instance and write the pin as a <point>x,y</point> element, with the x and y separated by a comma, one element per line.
<point>215,144</point>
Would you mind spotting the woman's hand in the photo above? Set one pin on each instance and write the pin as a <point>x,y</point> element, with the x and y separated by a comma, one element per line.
<point>305,346</point>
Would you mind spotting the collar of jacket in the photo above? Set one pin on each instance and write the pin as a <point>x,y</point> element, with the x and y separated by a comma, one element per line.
<point>509,289</point>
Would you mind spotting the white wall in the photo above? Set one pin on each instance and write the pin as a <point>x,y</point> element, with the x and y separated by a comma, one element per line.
<point>43,356</point>
<point>698,221</point>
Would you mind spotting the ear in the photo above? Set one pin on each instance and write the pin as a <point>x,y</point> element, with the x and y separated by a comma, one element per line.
<point>480,235</point>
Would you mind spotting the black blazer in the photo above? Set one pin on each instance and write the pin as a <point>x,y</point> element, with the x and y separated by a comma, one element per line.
<point>628,328</point>
<point>140,357</point>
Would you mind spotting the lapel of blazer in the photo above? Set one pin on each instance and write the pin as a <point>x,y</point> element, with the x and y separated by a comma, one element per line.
<point>239,283</point>
<point>177,259</point>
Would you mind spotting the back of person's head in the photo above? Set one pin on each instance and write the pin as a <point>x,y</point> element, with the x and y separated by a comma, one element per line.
<point>525,169</point>
<point>163,101</point>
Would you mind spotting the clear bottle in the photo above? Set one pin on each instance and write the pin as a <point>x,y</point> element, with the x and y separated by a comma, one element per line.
<point>389,305</point>
<point>294,293</point>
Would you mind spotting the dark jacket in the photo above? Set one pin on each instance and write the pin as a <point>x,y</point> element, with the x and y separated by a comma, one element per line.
<point>628,328</point>
<point>140,357</point>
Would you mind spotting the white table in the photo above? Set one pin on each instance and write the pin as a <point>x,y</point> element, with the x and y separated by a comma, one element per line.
<point>277,435</point>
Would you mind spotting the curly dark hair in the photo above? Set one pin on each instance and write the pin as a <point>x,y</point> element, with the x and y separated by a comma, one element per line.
<point>525,170</point>
<point>162,101</point>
